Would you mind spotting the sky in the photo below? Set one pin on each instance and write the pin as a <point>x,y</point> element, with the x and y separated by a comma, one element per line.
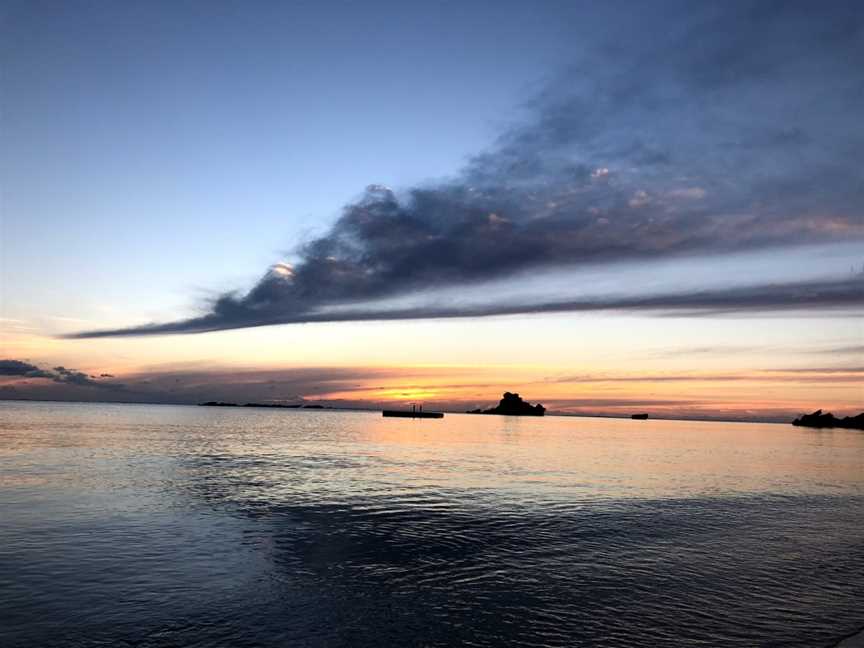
<point>617,207</point>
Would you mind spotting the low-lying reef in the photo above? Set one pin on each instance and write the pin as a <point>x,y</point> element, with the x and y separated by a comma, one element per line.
<point>273,405</point>
<point>513,405</point>
<point>827,420</point>
<point>267,405</point>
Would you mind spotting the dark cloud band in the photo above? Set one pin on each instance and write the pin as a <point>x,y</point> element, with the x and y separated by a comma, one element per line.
<point>812,297</point>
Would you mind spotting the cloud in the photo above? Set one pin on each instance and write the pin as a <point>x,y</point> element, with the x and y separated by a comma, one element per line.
<point>345,386</point>
<point>563,403</point>
<point>60,374</point>
<point>726,349</point>
<point>733,127</point>
<point>816,296</point>
<point>850,371</point>
<point>797,374</point>
<point>853,350</point>
<point>20,368</point>
<point>690,193</point>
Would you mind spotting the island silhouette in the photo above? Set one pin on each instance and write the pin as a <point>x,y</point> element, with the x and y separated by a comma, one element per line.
<point>827,420</point>
<point>513,405</point>
<point>268,405</point>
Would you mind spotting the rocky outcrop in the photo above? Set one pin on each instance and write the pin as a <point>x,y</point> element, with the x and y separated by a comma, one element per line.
<point>819,420</point>
<point>513,405</point>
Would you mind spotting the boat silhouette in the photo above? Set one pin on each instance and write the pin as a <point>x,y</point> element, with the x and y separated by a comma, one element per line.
<point>414,413</point>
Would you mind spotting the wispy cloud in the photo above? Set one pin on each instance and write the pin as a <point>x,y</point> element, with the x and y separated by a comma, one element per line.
<point>851,371</point>
<point>736,127</point>
<point>851,350</point>
<point>710,350</point>
<point>796,374</point>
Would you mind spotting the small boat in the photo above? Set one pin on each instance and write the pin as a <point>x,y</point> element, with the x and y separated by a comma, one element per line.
<point>639,417</point>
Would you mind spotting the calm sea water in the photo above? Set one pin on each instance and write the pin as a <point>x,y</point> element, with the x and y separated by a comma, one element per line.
<point>127,525</point>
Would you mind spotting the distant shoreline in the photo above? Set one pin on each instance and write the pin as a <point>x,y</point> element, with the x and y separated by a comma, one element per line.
<point>337,408</point>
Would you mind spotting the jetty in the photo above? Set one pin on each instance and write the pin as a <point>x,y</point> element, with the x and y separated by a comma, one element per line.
<point>414,413</point>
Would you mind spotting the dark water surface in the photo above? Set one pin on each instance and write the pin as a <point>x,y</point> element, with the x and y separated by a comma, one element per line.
<point>127,525</point>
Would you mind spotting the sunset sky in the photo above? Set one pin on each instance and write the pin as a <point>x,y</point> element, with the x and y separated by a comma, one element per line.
<point>605,207</point>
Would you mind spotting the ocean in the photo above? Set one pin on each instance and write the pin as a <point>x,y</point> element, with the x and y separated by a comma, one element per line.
<point>157,526</point>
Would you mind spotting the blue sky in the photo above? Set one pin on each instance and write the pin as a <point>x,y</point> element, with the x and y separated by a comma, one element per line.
<point>190,143</point>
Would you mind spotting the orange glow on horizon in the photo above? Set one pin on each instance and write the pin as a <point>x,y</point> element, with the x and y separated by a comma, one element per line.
<point>570,364</point>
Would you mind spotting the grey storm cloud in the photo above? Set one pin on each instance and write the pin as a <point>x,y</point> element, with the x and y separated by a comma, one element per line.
<point>19,368</point>
<point>725,127</point>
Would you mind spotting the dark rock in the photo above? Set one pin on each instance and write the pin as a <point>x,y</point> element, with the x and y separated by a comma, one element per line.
<point>513,405</point>
<point>217,404</point>
<point>819,420</point>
